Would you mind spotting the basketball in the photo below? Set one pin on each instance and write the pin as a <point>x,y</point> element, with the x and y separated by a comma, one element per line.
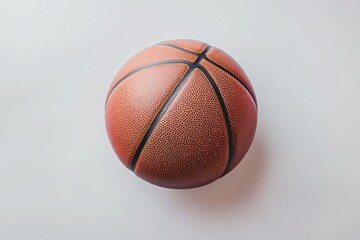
<point>181,114</point>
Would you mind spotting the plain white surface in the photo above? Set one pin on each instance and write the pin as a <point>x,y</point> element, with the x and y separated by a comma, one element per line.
<point>60,179</point>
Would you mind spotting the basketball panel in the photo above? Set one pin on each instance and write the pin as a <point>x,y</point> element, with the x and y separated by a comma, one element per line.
<point>189,145</point>
<point>224,60</point>
<point>153,54</point>
<point>134,103</point>
<point>241,109</point>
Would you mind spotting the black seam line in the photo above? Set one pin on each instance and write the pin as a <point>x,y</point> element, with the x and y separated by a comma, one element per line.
<point>226,117</point>
<point>234,76</point>
<point>144,67</point>
<point>165,107</point>
<point>179,48</point>
<point>219,66</point>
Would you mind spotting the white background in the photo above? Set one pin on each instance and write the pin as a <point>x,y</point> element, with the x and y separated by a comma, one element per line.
<point>60,179</point>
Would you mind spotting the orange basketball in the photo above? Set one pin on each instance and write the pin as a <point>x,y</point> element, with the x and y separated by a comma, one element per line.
<point>181,114</point>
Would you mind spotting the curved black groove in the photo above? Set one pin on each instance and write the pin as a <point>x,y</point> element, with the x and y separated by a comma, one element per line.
<point>219,66</point>
<point>226,117</point>
<point>144,67</point>
<point>179,48</point>
<point>234,76</point>
<point>165,107</point>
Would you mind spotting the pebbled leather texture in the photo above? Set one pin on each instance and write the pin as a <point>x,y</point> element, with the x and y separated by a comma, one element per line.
<point>186,144</point>
<point>149,55</point>
<point>193,151</point>
<point>241,110</point>
<point>133,105</point>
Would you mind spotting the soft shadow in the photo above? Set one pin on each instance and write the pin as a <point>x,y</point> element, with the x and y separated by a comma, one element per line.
<point>234,189</point>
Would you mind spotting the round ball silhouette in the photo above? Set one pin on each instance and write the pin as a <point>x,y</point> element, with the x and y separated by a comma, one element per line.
<point>181,114</point>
